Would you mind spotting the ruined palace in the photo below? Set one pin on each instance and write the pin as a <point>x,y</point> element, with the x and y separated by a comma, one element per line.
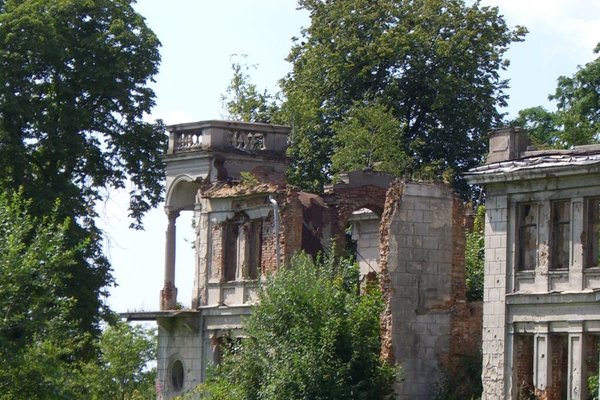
<point>249,222</point>
<point>541,317</point>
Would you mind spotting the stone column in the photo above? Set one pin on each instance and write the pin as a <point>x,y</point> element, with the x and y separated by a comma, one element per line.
<point>576,278</point>
<point>168,295</point>
<point>576,378</point>
<point>542,361</point>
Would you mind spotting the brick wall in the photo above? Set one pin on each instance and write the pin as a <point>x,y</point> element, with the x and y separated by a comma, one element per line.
<point>560,365</point>
<point>427,326</point>
<point>343,202</point>
<point>524,365</point>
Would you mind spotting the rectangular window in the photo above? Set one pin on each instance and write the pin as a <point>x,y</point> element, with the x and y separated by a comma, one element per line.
<point>527,236</point>
<point>230,252</point>
<point>561,234</point>
<point>253,244</point>
<point>593,232</point>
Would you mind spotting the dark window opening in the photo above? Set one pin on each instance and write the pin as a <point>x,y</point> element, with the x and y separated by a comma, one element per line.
<point>561,233</point>
<point>527,236</point>
<point>524,366</point>
<point>351,243</point>
<point>225,345</point>
<point>593,233</point>
<point>560,367</point>
<point>253,244</point>
<point>230,251</point>
<point>177,375</point>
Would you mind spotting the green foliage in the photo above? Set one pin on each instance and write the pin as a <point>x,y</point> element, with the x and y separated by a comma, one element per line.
<point>576,120</point>
<point>310,337</point>
<point>248,179</point>
<point>592,387</point>
<point>369,137</point>
<point>72,101</point>
<point>463,383</point>
<point>44,353</point>
<point>242,101</point>
<point>541,125</point>
<point>426,70</point>
<point>125,351</point>
<point>578,104</point>
<point>475,257</point>
<point>37,330</point>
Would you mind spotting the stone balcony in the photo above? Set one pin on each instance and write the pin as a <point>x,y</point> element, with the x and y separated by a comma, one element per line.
<point>228,136</point>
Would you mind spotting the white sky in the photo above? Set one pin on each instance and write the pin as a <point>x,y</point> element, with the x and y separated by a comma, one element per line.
<point>198,38</point>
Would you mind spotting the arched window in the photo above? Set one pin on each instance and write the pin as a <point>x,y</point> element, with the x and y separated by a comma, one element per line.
<point>177,375</point>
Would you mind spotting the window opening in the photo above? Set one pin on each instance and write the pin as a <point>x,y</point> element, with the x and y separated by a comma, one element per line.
<point>253,244</point>
<point>231,250</point>
<point>177,375</point>
<point>593,233</point>
<point>561,232</point>
<point>223,345</point>
<point>524,365</point>
<point>527,234</point>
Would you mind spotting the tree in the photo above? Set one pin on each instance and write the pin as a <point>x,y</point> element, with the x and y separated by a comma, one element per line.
<point>123,373</point>
<point>73,96</point>
<point>37,329</point>
<point>40,340</point>
<point>576,120</point>
<point>433,64</point>
<point>542,127</point>
<point>311,336</point>
<point>369,136</point>
<point>242,101</point>
<point>578,104</point>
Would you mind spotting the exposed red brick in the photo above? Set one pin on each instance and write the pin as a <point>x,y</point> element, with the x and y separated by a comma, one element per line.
<point>393,198</point>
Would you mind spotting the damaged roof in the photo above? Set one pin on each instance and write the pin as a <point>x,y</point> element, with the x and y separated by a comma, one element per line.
<point>536,164</point>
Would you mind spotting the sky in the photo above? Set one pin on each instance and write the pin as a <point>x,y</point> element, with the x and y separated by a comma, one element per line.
<point>199,40</point>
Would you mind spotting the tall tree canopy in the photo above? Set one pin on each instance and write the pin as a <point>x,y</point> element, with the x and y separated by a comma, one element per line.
<point>41,345</point>
<point>73,92</point>
<point>243,101</point>
<point>576,120</point>
<point>430,67</point>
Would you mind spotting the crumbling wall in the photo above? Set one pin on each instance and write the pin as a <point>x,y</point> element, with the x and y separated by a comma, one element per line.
<point>462,362</point>
<point>291,223</point>
<point>426,322</point>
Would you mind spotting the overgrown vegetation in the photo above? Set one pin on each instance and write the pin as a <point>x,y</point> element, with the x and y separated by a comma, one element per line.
<point>464,383</point>
<point>475,256</point>
<point>72,100</point>
<point>592,387</point>
<point>311,336</point>
<point>44,353</point>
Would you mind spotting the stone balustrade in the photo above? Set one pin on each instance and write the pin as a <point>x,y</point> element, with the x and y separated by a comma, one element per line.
<point>225,136</point>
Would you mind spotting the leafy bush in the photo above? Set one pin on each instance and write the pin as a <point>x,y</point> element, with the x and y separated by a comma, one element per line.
<point>592,387</point>
<point>312,336</point>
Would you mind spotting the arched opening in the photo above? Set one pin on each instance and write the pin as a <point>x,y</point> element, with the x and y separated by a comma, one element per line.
<point>177,375</point>
<point>362,240</point>
<point>182,210</point>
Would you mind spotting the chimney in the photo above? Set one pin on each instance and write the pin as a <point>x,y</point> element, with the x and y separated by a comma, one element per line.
<point>506,144</point>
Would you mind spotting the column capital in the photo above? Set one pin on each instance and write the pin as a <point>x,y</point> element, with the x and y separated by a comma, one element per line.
<point>172,213</point>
